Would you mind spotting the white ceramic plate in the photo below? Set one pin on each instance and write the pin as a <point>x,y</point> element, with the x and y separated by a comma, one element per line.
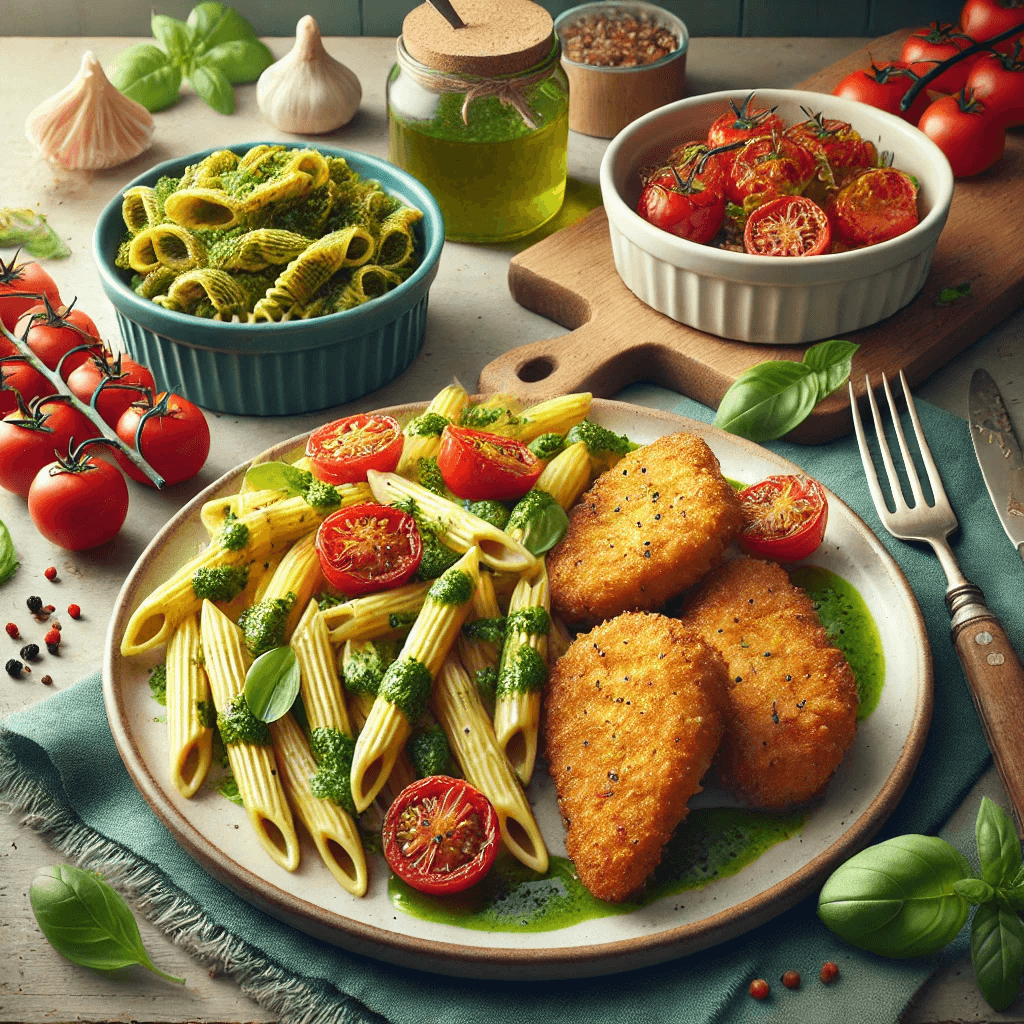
<point>867,786</point>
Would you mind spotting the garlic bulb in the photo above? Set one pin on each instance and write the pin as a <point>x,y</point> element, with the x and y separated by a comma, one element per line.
<point>307,91</point>
<point>89,124</point>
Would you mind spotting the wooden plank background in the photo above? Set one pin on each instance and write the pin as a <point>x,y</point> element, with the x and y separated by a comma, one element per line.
<point>384,17</point>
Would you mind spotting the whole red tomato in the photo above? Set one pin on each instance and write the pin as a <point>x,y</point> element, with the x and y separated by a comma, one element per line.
<point>30,439</point>
<point>983,19</point>
<point>927,47</point>
<point>766,168</point>
<point>833,141</point>
<point>78,501</point>
<point>18,376</point>
<point>686,200</point>
<point>742,123</point>
<point>23,277</point>
<point>972,139</point>
<point>877,205</point>
<point>124,381</point>
<point>883,86</point>
<point>52,332</point>
<point>997,80</point>
<point>175,438</point>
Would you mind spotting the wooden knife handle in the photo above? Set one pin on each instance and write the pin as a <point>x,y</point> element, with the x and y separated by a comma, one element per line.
<point>996,679</point>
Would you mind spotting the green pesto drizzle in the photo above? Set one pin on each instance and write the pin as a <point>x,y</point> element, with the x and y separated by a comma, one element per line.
<point>486,682</point>
<point>219,582</point>
<point>454,587</point>
<point>533,621</point>
<point>522,671</point>
<point>234,534</point>
<point>429,752</point>
<point>428,424</point>
<point>489,630</point>
<point>263,624</point>
<point>407,684</point>
<point>331,781</point>
<point>237,724</point>
<point>206,714</point>
<point>158,683</point>
<point>321,496</point>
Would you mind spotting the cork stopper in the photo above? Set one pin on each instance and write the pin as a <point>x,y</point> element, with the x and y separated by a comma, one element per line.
<point>500,38</point>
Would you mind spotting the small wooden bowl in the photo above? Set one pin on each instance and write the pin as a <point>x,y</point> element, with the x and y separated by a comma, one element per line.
<point>603,100</point>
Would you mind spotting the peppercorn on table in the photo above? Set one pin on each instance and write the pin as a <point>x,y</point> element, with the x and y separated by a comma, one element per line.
<point>472,320</point>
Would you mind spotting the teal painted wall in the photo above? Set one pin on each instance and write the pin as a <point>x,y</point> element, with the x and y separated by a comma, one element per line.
<point>384,17</point>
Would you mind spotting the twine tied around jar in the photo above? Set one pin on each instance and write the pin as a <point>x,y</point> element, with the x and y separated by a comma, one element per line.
<point>510,90</point>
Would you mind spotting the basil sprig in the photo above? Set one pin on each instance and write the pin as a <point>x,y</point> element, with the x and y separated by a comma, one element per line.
<point>214,49</point>
<point>272,684</point>
<point>85,920</point>
<point>911,895</point>
<point>8,556</point>
<point>772,398</point>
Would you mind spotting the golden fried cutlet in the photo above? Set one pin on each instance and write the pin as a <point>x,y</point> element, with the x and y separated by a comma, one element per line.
<point>645,531</point>
<point>632,717</point>
<point>792,696</point>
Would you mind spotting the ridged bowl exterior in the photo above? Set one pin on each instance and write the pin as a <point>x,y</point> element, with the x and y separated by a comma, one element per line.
<point>278,369</point>
<point>760,299</point>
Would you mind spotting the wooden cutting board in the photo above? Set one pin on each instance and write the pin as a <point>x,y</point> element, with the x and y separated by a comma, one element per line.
<point>617,340</point>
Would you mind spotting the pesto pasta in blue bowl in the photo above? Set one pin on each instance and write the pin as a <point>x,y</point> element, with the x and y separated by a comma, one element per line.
<point>266,279</point>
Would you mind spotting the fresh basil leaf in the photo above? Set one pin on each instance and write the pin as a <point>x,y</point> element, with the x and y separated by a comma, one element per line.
<point>28,230</point>
<point>172,35</point>
<point>145,74</point>
<point>997,952</point>
<point>998,844</point>
<point>540,520</point>
<point>277,476</point>
<point>85,920</point>
<point>897,898</point>
<point>213,87</point>
<point>832,362</point>
<point>211,24</point>
<point>242,60</point>
<point>950,295</point>
<point>768,400</point>
<point>8,556</point>
<point>974,890</point>
<point>272,684</point>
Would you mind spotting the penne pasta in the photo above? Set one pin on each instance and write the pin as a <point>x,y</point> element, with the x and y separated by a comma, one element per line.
<point>567,475</point>
<point>522,672</point>
<point>407,683</point>
<point>461,714</point>
<point>297,578</point>
<point>249,751</point>
<point>189,710</point>
<point>479,655</point>
<point>376,615</point>
<point>321,690</point>
<point>555,416</point>
<point>423,432</point>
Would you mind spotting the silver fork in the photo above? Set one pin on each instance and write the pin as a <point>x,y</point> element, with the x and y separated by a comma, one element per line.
<point>992,668</point>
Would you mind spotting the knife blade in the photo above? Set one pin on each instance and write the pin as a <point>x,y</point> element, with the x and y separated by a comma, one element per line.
<point>999,454</point>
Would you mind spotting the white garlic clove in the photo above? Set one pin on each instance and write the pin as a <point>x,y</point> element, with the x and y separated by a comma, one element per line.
<point>89,124</point>
<point>307,91</point>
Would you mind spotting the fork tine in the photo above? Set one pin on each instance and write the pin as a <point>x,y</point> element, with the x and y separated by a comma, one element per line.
<point>908,460</point>
<point>934,479</point>
<point>895,487</point>
<point>865,455</point>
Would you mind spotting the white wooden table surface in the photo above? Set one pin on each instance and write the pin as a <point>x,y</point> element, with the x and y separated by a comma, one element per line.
<point>472,319</point>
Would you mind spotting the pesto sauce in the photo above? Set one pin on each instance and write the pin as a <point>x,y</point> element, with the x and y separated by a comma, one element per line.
<point>237,724</point>
<point>488,630</point>
<point>206,714</point>
<point>850,627</point>
<point>321,496</point>
<point>454,587</point>
<point>158,683</point>
<point>332,779</point>
<point>219,582</point>
<point>407,684</point>
<point>524,671</point>
<point>234,534</point>
<point>533,621</point>
<point>428,424</point>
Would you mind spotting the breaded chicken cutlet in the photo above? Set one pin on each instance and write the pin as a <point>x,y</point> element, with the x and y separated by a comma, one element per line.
<point>647,529</point>
<point>792,697</point>
<point>632,717</point>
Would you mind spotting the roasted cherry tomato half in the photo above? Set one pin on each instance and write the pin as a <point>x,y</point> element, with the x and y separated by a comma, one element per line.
<point>875,206</point>
<point>785,518</point>
<point>365,548</point>
<point>742,123</point>
<point>440,835</point>
<point>342,451</point>
<point>788,226</point>
<point>478,465</point>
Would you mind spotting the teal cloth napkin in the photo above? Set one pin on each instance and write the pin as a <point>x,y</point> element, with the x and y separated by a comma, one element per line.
<point>58,760</point>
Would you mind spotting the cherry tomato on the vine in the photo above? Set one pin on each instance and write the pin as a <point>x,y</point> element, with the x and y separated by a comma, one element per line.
<point>477,465</point>
<point>769,167</point>
<point>175,438</point>
<point>997,80</point>
<point>971,137</point>
<point>875,206</point>
<point>788,226</point>
<point>365,548</point>
<point>127,381</point>
<point>25,380</point>
<point>785,517</point>
<point>742,123</point>
<point>440,835</point>
<point>342,451</point>
<point>984,19</point>
<point>23,277</point>
<point>53,332</point>
<point>78,501</point>
<point>927,47</point>
<point>883,86</point>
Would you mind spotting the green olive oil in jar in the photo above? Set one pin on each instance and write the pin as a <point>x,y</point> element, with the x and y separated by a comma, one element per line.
<point>480,115</point>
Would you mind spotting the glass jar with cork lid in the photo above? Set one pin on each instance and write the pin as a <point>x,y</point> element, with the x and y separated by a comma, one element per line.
<point>480,115</point>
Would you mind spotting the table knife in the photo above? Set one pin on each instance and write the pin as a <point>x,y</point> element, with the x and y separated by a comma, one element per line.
<point>999,454</point>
